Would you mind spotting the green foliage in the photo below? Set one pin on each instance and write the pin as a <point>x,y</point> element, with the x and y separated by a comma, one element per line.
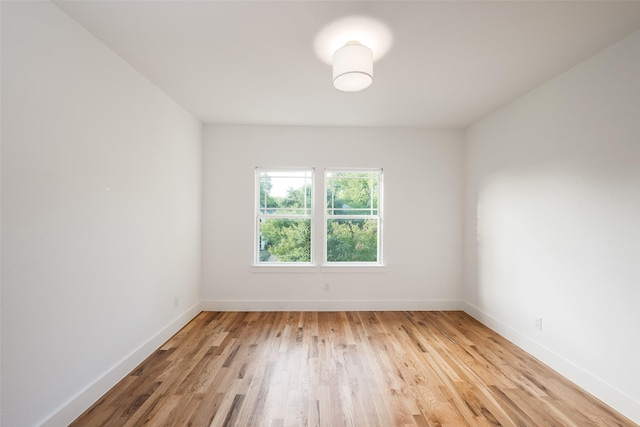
<point>352,191</point>
<point>352,240</point>
<point>295,200</point>
<point>266,200</point>
<point>293,203</point>
<point>287,240</point>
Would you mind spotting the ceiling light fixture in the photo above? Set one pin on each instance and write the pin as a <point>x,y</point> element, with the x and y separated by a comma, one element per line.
<point>353,67</point>
<point>352,61</point>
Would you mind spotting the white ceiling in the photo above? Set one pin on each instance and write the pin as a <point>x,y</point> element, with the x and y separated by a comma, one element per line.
<point>451,62</point>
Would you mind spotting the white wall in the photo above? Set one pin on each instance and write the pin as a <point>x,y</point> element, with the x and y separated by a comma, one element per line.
<point>422,208</point>
<point>552,223</point>
<point>101,186</point>
<point>101,219</point>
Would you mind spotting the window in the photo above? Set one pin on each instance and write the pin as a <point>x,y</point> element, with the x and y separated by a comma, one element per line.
<point>353,216</point>
<point>284,218</point>
<point>284,214</point>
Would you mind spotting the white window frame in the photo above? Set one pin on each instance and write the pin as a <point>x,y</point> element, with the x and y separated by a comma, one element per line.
<point>378,217</point>
<point>258,216</point>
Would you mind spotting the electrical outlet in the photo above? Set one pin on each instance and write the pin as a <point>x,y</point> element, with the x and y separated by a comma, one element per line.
<point>176,302</point>
<point>537,323</point>
<point>326,286</point>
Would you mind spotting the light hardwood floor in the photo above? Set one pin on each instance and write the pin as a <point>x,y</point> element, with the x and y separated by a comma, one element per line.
<point>344,369</point>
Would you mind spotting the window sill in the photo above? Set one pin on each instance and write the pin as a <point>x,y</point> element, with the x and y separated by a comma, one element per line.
<point>312,268</point>
<point>353,268</point>
<point>284,268</point>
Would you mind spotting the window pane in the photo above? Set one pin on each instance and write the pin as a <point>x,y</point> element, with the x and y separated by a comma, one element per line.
<point>352,240</point>
<point>285,193</point>
<point>352,193</point>
<point>285,240</point>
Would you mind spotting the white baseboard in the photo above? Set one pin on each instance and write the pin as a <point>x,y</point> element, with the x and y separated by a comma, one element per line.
<point>331,305</point>
<point>84,399</point>
<point>610,395</point>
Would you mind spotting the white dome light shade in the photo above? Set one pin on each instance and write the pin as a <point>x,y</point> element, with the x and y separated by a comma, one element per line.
<point>352,67</point>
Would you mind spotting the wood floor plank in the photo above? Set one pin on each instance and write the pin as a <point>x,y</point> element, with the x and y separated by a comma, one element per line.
<point>344,369</point>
